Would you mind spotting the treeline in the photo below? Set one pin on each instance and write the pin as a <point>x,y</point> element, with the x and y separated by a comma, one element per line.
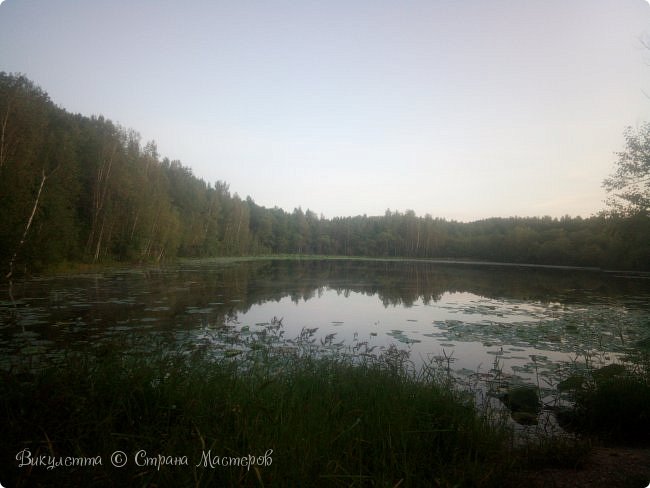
<point>76,188</point>
<point>602,241</point>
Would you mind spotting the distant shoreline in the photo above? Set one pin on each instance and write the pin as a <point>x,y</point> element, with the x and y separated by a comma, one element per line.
<point>90,268</point>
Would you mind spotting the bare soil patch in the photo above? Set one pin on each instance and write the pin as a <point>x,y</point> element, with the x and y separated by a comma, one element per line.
<point>606,467</point>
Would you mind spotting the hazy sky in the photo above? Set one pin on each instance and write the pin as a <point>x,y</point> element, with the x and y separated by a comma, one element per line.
<point>463,109</point>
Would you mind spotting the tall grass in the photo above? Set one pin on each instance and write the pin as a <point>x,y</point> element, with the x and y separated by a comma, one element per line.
<point>319,421</point>
<point>307,415</point>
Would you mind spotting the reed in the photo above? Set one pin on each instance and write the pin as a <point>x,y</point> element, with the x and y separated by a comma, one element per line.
<point>320,421</point>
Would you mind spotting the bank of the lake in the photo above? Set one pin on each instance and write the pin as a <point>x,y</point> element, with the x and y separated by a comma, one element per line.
<point>182,369</point>
<point>161,419</point>
<point>81,267</point>
<point>309,421</point>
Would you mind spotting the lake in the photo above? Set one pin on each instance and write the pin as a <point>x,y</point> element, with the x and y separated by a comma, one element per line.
<point>481,321</point>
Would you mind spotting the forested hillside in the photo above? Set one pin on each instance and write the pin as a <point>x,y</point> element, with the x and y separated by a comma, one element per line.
<point>82,189</point>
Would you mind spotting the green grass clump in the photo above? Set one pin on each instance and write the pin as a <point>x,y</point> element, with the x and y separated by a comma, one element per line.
<point>328,422</point>
<point>612,403</point>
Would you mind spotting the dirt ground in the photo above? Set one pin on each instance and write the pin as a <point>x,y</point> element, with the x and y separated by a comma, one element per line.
<point>605,468</point>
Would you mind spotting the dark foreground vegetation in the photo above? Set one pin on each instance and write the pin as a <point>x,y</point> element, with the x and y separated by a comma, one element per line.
<point>612,403</point>
<point>78,189</point>
<point>82,189</point>
<point>191,420</point>
<point>321,422</point>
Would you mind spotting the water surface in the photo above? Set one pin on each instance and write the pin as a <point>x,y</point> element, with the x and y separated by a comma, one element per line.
<point>529,323</point>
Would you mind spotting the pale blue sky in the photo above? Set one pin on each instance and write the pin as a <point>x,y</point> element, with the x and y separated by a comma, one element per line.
<point>463,109</point>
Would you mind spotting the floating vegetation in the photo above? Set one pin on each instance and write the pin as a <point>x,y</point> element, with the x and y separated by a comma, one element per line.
<point>225,310</point>
<point>400,336</point>
<point>193,310</point>
<point>156,309</point>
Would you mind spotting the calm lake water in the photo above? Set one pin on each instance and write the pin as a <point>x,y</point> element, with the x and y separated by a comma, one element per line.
<point>531,323</point>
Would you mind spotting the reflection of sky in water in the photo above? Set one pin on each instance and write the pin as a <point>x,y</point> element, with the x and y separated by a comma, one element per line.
<point>500,313</point>
<point>474,331</point>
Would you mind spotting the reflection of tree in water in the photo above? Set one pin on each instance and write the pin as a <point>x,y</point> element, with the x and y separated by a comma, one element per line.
<point>201,293</point>
<point>234,288</point>
<point>403,283</point>
<point>398,283</point>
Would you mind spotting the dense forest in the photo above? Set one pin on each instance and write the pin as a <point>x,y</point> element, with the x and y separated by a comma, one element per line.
<point>83,189</point>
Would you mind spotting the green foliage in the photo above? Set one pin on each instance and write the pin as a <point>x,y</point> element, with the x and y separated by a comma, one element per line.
<point>97,195</point>
<point>74,188</point>
<point>327,421</point>
<point>613,403</point>
<point>630,182</point>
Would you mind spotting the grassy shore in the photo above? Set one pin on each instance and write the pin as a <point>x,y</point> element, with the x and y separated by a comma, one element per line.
<point>264,414</point>
<point>188,420</point>
<point>78,267</point>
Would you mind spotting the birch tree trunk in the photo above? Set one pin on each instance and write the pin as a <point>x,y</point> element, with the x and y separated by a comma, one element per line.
<point>3,136</point>
<point>28,225</point>
<point>99,199</point>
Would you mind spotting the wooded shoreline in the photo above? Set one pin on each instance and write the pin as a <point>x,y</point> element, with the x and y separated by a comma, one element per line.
<point>80,189</point>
